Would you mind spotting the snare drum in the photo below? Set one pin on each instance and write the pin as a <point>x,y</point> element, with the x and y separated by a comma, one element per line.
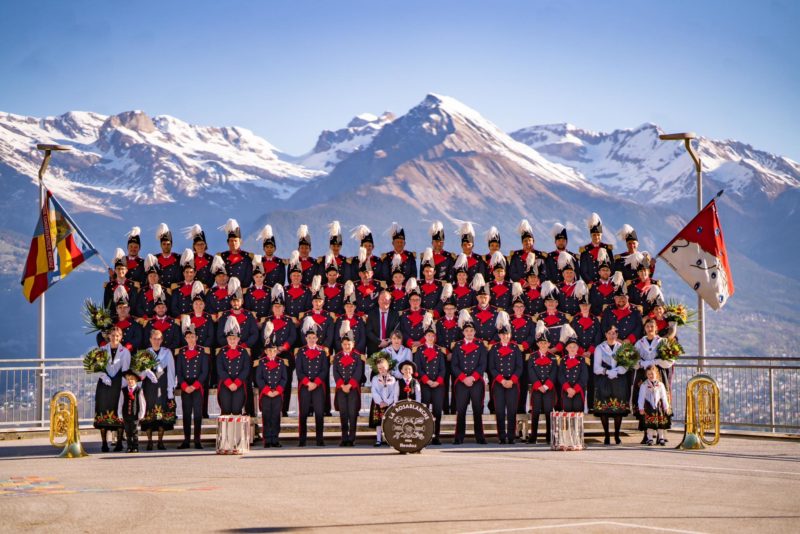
<point>567,430</point>
<point>233,434</point>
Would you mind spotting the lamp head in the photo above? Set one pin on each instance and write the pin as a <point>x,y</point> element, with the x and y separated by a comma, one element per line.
<point>677,136</point>
<point>52,147</point>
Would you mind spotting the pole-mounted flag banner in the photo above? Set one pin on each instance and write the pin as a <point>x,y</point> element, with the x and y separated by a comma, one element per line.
<point>58,246</point>
<point>698,255</point>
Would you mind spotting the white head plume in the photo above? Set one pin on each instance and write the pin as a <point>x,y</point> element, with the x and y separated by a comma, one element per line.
<point>265,233</point>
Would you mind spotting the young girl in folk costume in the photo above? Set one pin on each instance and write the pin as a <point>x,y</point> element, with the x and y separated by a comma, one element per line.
<point>542,373</point>
<point>313,369</point>
<point>408,387</point>
<point>431,362</point>
<point>131,408</point>
<point>506,366</point>
<point>573,373</point>
<point>398,352</point>
<point>233,367</point>
<point>647,347</point>
<point>159,392</point>
<point>655,412</point>
<point>271,380</point>
<point>610,385</point>
<point>383,387</point>
<point>347,368</point>
<point>109,386</point>
<point>191,374</point>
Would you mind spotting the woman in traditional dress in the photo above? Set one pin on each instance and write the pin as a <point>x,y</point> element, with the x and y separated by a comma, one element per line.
<point>109,388</point>
<point>610,386</point>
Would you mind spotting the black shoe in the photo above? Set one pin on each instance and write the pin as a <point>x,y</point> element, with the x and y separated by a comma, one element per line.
<point>617,440</point>
<point>644,440</point>
<point>328,414</point>
<point>320,443</point>
<point>198,445</point>
<point>150,446</point>
<point>502,441</point>
<point>285,414</point>
<point>301,443</point>
<point>267,444</point>
<point>118,447</point>
<point>104,448</point>
<point>343,443</point>
<point>276,444</point>
<point>436,441</point>
<point>458,441</point>
<point>350,443</point>
<point>136,449</point>
<point>128,450</point>
<point>377,444</point>
<point>481,441</point>
<point>662,442</point>
<point>607,440</point>
<point>161,446</point>
<point>531,440</point>
<point>511,441</point>
<point>184,444</point>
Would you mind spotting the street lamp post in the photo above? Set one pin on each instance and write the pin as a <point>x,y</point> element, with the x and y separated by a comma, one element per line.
<point>40,394</point>
<point>687,137</point>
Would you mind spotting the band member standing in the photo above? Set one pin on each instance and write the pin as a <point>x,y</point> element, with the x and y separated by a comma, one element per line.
<point>133,262</point>
<point>518,259</point>
<point>408,261</point>
<point>462,292</point>
<point>567,302</point>
<point>238,263</point>
<point>506,365</point>
<point>333,289</point>
<point>443,261</point>
<point>342,264</point>
<point>625,317</point>
<point>588,333</point>
<point>298,296</point>
<point>601,292</point>
<point>559,233</point>
<point>523,333</point>
<point>162,322</point>
<point>181,292</point>
<point>119,278</point>
<point>168,261</point>
<point>552,317</point>
<point>367,289</point>
<point>447,334</point>
<point>202,259</point>
<point>307,264</point>
<point>493,243</point>
<point>284,335</point>
<point>431,361</point>
<point>397,288</point>
<point>191,374</point>
<point>233,368</point>
<point>637,289</point>
<point>348,370</point>
<point>273,266</point>
<point>144,308</point>
<point>542,371</point>
<point>500,287</point>
<point>364,236</point>
<point>350,315</point>
<point>628,234</point>
<point>131,331</point>
<point>312,368</point>
<point>469,364</point>
<point>589,260</point>
<point>430,288</point>
<point>257,297</point>
<point>248,327</point>
<point>218,298</point>
<point>271,380</point>
<point>573,373</point>
<point>411,319</point>
<point>532,285</point>
<point>474,261</point>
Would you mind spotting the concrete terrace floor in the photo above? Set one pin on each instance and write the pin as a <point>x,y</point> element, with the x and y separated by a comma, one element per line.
<point>742,485</point>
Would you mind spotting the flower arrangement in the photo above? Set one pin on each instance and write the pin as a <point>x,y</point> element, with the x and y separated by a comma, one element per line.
<point>678,313</point>
<point>142,360</point>
<point>627,356</point>
<point>669,349</point>
<point>96,317</point>
<point>95,360</point>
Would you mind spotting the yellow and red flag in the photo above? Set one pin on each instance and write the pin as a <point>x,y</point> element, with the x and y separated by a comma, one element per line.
<point>58,246</point>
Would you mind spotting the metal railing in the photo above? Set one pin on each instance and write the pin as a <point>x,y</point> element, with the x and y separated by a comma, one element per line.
<point>757,393</point>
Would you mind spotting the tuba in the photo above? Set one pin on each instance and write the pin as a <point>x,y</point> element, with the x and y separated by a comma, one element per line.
<point>702,413</point>
<point>64,424</point>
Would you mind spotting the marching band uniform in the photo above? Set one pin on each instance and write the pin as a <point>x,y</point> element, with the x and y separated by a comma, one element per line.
<point>430,289</point>
<point>484,317</point>
<point>601,295</point>
<point>411,319</point>
<point>443,261</point>
<point>408,260</point>
<point>500,288</point>
<point>532,286</point>
<point>248,327</point>
<point>218,299</point>
<point>257,297</point>
<point>202,259</point>
<point>164,323</point>
<point>364,236</point>
<point>333,258</point>
<point>158,385</point>
<point>323,318</point>
<point>554,258</point>
<point>131,331</point>
<point>622,261</point>
<point>238,263</point>
<point>181,292</point>
<point>356,323</point>
<point>117,280</point>
<point>430,361</point>
<point>271,376</point>
<point>469,360</point>
<point>552,318</point>
<point>542,371</point>
<point>463,294</point>
<point>518,259</point>
<point>298,297</point>
<point>567,302</point>
<point>284,335</point>
<point>204,327</point>
<point>274,267</point>
<point>447,334</point>
<point>572,373</point>
<point>505,363</point>
<point>233,367</point>
<point>493,243</point>
<point>637,290</point>
<point>472,263</point>
<point>589,254</point>
<point>192,369</point>
<point>130,410</point>
<point>589,334</point>
<point>348,369</point>
<point>133,261</point>
<point>523,334</point>
<point>625,317</point>
<point>168,261</point>
<point>307,264</point>
<point>334,294</point>
<point>312,366</point>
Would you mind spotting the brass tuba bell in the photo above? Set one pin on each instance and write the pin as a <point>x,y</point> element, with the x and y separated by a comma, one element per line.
<point>64,424</point>
<point>702,413</point>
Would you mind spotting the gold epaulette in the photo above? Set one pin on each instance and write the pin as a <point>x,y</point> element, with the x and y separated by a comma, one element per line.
<point>174,286</point>
<point>285,361</point>
<point>582,249</point>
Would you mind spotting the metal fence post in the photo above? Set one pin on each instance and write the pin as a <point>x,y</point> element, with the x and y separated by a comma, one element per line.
<point>771,401</point>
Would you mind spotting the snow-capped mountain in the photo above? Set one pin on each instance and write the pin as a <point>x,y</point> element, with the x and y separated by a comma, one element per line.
<point>637,164</point>
<point>333,146</point>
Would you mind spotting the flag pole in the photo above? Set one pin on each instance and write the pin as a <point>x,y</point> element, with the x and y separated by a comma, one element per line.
<point>41,337</point>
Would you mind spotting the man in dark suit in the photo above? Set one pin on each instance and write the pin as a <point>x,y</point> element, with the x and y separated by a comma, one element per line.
<point>381,322</point>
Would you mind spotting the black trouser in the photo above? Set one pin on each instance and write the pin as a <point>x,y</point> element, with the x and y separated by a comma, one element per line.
<point>575,404</point>
<point>192,405</point>
<point>435,398</point>
<point>522,404</point>
<point>231,402</point>
<point>464,397</point>
<point>250,401</point>
<point>505,405</point>
<point>449,401</point>
<point>271,408</point>
<point>308,400</point>
<point>348,405</point>
<point>287,391</point>
<point>542,404</point>
<point>490,404</point>
<point>327,380</point>
<point>131,432</point>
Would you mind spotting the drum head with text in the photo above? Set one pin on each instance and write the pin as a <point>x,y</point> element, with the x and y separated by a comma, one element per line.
<point>408,426</point>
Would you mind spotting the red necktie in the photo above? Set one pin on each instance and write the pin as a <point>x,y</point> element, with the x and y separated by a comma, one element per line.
<point>383,325</point>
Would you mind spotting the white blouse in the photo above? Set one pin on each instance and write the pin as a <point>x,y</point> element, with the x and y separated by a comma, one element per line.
<point>648,352</point>
<point>383,390</point>
<point>121,362</point>
<point>403,354</point>
<point>165,363</point>
<point>604,353</point>
<point>654,393</point>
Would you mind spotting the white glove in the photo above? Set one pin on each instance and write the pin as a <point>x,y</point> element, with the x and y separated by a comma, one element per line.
<point>621,370</point>
<point>105,379</point>
<point>159,370</point>
<point>658,362</point>
<point>170,394</point>
<point>151,375</point>
<point>611,373</point>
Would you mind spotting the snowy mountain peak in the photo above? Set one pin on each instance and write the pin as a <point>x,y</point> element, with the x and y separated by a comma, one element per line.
<point>136,121</point>
<point>334,146</point>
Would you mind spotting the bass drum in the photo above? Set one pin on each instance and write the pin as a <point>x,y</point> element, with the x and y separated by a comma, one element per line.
<point>408,426</point>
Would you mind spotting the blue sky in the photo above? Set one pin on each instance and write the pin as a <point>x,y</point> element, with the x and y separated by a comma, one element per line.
<point>287,70</point>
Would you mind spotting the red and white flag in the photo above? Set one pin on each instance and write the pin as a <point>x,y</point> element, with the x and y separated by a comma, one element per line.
<point>698,255</point>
